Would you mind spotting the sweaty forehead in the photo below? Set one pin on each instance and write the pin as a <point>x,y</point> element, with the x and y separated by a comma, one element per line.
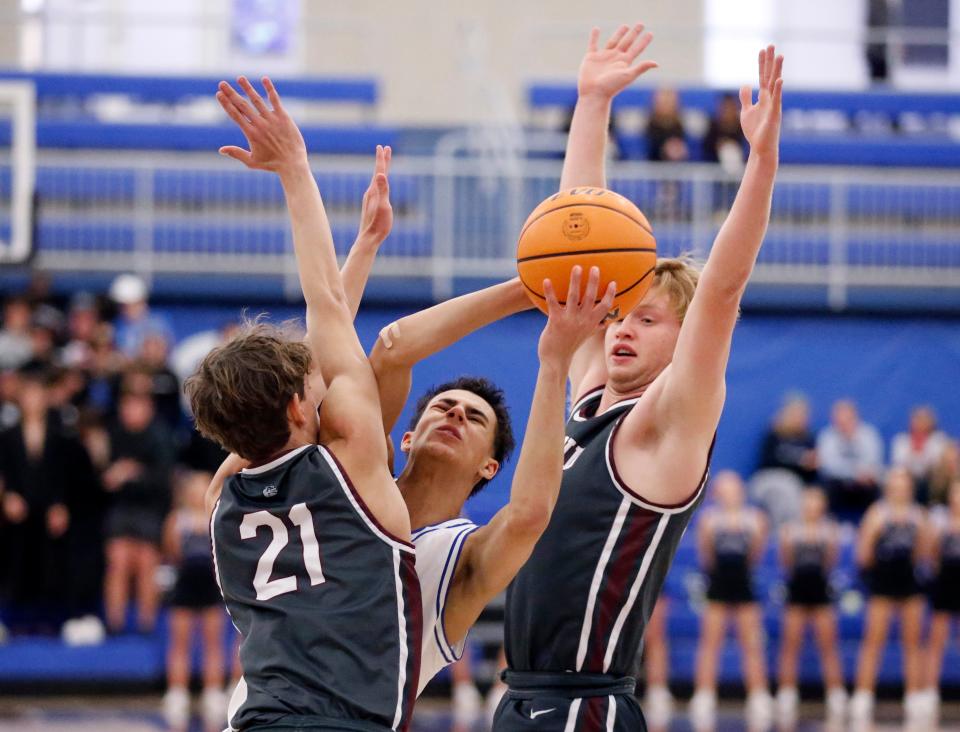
<point>468,399</point>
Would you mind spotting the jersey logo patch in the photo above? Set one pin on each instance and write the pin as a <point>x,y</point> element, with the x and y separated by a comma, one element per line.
<point>270,491</point>
<point>534,715</point>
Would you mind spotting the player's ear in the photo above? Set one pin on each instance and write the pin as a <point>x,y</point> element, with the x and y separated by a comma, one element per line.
<point>406,441</point>
<point>295,411</point>
<point>489,469</point>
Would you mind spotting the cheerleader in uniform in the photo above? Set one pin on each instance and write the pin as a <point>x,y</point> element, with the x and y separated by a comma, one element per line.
<point>808,551</point>
<point>194,600</point>
<point>944,592</point>
<point>731,538</point>
<point>889,548</point>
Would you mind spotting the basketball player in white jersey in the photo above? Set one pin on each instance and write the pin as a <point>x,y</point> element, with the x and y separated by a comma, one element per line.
<point>648,396</point>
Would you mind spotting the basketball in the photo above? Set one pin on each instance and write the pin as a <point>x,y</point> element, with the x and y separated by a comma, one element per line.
<point>592,227</point>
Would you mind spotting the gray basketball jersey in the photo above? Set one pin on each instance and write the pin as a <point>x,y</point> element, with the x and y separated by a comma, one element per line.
<point>326,601</point>
<point>582,600</point>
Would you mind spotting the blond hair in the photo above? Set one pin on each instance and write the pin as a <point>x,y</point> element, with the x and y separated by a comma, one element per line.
<point>677,277</point>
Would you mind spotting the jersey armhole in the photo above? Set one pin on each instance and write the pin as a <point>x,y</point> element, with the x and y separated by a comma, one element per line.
<point>356,500</point>
<point>665,508</point>
<point>451,652</point>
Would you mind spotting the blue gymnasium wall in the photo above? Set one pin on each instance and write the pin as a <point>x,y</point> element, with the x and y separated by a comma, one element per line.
<point>886,364</point>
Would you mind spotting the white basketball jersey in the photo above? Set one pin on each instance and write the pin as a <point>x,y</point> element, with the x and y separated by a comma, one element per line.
<point>438,550</point>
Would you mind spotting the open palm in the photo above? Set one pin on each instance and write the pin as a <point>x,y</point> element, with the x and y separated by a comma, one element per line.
<point>761,121</point>
<point>610,70</point>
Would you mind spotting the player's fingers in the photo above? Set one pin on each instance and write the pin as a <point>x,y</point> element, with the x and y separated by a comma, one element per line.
<point>253,95</point>
<point>643,67</point>
<point>272,94</point>
<point>593,287</point>
<point>387,158</point>
<point>746,96</point>
<point>606,303</point>
<point>234,97</point>
<point>594,39</point>
<point>761,68</point>
<point>640,46</point>
<point>383,187</point>
<point>629,37</point>
<point>615,38</point>
<point>551,297</point>
<point>777,69</point>
<point>388,333</point>
<point>778,96</point>
<point>237,153</point>
<point>573,290</point>
<point>234,113</point>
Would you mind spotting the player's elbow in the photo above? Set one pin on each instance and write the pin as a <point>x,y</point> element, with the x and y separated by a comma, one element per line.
<point>529,518</point>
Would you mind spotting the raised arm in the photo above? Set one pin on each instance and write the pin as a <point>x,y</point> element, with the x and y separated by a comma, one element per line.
<point>406,342</point>
<point>694,390</point>
<point>603,74</point>
<point>494,553</point>
<point>376,220</point>
<point>350,421</point>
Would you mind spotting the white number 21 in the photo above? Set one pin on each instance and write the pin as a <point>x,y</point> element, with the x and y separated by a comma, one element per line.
<point>301,518</point>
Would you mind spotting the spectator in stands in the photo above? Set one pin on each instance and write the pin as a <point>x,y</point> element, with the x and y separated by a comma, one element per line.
<point>658,702</point>
<point>15,345</point>
<point>944,557</point>
<point>724,142</point>
<point>138,477</point>
<point>82,322</point>
<point>46,324</point>
<point>788,461</point>
<point>919,449</point>
<point>850,455</point>
<point>666,137</point>
<point>106,364</point>
<point>809,549</point>
<point>39,465</point>
<point>135,321</point>
<point>945,473</point>
<point>195,600</point>
<point>731,538</point>
<point>890,546</point>
<point>165,386</point>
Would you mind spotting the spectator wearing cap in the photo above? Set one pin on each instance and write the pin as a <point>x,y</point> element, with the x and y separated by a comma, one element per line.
<point>850,456</point>
<point>141,455</point>
<point>15,346</point>
<point>919,449</point>
<point>135,321</point>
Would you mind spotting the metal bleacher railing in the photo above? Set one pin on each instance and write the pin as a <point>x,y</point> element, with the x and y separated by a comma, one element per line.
<point>458,217</point>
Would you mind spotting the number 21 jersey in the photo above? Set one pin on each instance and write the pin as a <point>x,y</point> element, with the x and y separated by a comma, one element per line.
<point>326,601</point>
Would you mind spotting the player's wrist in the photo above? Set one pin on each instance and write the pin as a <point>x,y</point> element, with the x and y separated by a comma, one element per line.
<point>294,170</point>
<point>589,94</point>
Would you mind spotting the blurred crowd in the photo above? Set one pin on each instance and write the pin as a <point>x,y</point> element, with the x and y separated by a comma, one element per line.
<point>94,448</point>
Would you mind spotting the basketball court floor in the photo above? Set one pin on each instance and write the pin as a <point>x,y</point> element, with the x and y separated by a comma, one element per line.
<point>141,714</point>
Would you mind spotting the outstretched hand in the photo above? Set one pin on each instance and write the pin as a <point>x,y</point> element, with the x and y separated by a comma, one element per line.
<point>376,215</point>
<point>610,70</point>
<point>761,121</point>
<point>274,138</point>
<point>573,322</point>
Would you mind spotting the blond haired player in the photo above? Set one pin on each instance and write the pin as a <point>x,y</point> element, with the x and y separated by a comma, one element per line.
<point>647,399</point>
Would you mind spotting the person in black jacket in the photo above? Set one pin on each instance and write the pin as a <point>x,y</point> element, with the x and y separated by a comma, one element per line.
<point>138,477</point>
<point>41,465</point>
<point>789,444</point>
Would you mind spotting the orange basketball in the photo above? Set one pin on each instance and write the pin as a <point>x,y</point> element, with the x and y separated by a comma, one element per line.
<point>592,227</point>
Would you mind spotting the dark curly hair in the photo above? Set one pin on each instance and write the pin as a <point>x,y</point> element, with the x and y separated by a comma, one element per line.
<point>503,440</point>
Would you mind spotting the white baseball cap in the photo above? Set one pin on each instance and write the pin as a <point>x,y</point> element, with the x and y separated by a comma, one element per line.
<point>128,289</point>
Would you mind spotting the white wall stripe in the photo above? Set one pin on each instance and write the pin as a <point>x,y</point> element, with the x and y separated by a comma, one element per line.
<point>611,712</point>
<point>572,716</point>
<point>597,578</point>
<point>402,625</point>
<point>357,507</point>
<point>648,556</point>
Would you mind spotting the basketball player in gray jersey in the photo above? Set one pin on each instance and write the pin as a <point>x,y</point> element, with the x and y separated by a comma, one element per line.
<point>311,541</point>
<point>648,395</point>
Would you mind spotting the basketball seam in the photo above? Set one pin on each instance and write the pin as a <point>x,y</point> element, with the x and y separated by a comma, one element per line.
<point>528,224</point>
<point>532,257</point>
<point>564,302</point>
